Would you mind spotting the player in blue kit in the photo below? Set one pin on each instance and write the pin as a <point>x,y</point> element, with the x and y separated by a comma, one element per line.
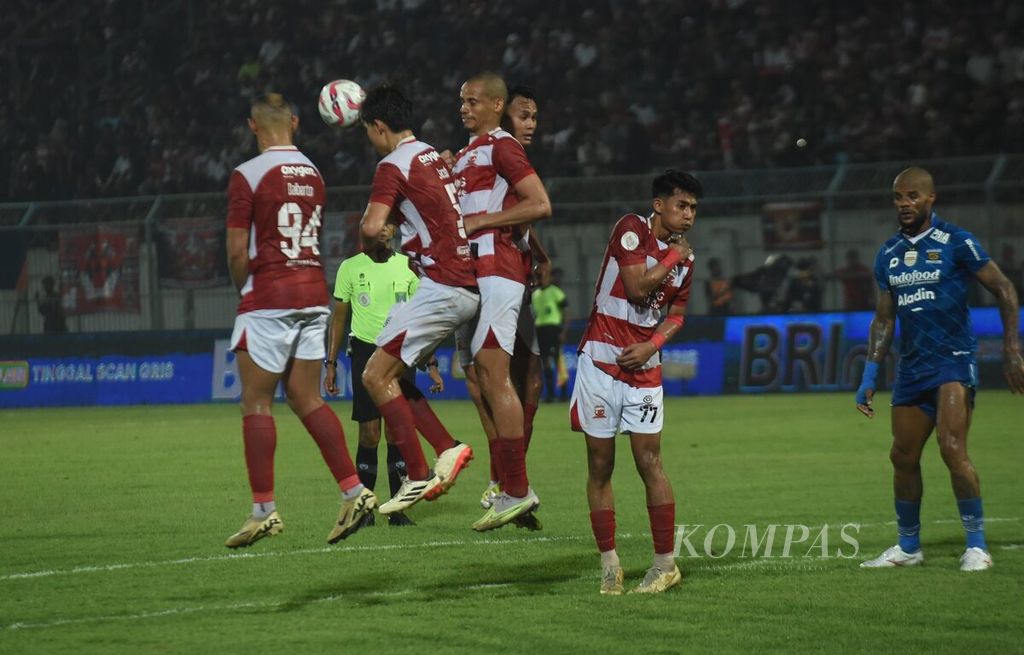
<point>923,273</point>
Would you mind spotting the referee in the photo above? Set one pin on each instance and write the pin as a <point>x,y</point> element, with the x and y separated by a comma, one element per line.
<point>368,285</point>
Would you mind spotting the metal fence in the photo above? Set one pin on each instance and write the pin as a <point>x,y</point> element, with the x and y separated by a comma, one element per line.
<point>984,194</point>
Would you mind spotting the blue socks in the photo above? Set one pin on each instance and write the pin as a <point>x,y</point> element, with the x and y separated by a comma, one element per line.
<point>908,524</point>
<point>973,519</point>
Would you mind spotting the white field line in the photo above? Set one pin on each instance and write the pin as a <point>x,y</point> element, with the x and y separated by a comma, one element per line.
<point>937,521</point>
<point>99,568</point>
<point>102,568</point>
<point>332,598</point>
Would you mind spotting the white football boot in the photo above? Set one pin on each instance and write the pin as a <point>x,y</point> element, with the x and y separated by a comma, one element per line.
<point>894,556</point>
<point>975,559</point>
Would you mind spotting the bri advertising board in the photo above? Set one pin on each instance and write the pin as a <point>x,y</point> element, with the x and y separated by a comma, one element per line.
<point>742,354</point>
<point>826,352</point>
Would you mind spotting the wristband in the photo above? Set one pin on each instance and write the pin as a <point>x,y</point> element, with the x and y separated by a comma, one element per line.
<point>671,259</point>
<point>867,381</point>
<point>331,362</point>
<point>658,339</point>
<point>870,373</point>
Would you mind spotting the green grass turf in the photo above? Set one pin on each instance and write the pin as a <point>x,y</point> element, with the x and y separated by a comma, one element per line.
<point>123,512</point>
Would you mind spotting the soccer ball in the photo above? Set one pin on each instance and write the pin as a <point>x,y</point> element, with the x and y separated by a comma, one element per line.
<point>340,101</point>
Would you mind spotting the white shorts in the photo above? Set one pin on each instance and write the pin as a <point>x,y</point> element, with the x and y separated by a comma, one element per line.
<point>500,302</point>
<point>602,406</point>
<point>273,336</point>
<point>526,331</point>
<point>414,329</point>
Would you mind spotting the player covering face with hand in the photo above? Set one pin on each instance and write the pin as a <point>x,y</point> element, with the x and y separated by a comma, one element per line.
<point>647,270</point>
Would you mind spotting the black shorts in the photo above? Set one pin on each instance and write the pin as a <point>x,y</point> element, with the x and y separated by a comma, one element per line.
<point>363,408</point>
<point>549,339</point>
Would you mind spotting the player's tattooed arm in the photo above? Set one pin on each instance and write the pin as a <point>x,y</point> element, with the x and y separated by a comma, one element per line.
<point>880,335</point>
<point>883,326</point>
<point>238,256</point>
<point>993,279</point>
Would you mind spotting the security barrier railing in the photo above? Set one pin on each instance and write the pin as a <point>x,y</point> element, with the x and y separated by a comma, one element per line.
<point>156,262</point>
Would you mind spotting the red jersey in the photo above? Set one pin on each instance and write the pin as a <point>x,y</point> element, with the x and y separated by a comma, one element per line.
<point>278,196</point>
<point>614,321</point>
<point>414,180</point>
<point>487,171</point>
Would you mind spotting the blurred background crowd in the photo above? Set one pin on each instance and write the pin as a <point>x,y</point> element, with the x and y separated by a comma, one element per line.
<point>125,97</point>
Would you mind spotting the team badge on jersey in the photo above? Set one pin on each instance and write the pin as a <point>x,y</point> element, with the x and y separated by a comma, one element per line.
<point>910,257</point>
<point>630,240</point>
<point>599,410</point>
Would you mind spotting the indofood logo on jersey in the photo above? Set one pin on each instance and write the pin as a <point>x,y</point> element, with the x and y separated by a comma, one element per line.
<point>917,296</point>
<point>914,277</point>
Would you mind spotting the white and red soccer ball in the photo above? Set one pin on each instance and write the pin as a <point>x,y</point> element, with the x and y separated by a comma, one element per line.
<point>340,102</point>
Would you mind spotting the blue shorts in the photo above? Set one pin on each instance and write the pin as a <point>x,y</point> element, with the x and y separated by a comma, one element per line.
<point>922,390</point>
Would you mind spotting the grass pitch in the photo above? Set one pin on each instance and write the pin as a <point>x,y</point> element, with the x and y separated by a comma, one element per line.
<point>114,521</point>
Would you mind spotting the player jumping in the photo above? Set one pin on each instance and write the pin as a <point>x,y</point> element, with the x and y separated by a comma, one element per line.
<point>413,180</point>
<point>499,190</point>
<point>520,120</point>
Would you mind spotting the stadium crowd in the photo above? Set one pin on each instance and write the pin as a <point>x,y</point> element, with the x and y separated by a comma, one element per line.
<point>118,97</point>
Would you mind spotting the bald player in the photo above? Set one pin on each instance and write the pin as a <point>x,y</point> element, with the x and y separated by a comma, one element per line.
<point>520,120</point>
<point>275,205</point>
<point>500,195</point>
<point>924,272</point>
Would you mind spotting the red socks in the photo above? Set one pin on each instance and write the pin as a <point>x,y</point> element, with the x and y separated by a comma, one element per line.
<point>663,519</point>
<point>602,522</point>
<point>325,428</point>
<point>529,411</point>
<point>398,417</point>
<point>426,420</point>
<point>513,467</point>
<point>260,437</point>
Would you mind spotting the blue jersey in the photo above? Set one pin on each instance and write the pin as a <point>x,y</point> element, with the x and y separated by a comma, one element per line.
<point>928,280</point>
